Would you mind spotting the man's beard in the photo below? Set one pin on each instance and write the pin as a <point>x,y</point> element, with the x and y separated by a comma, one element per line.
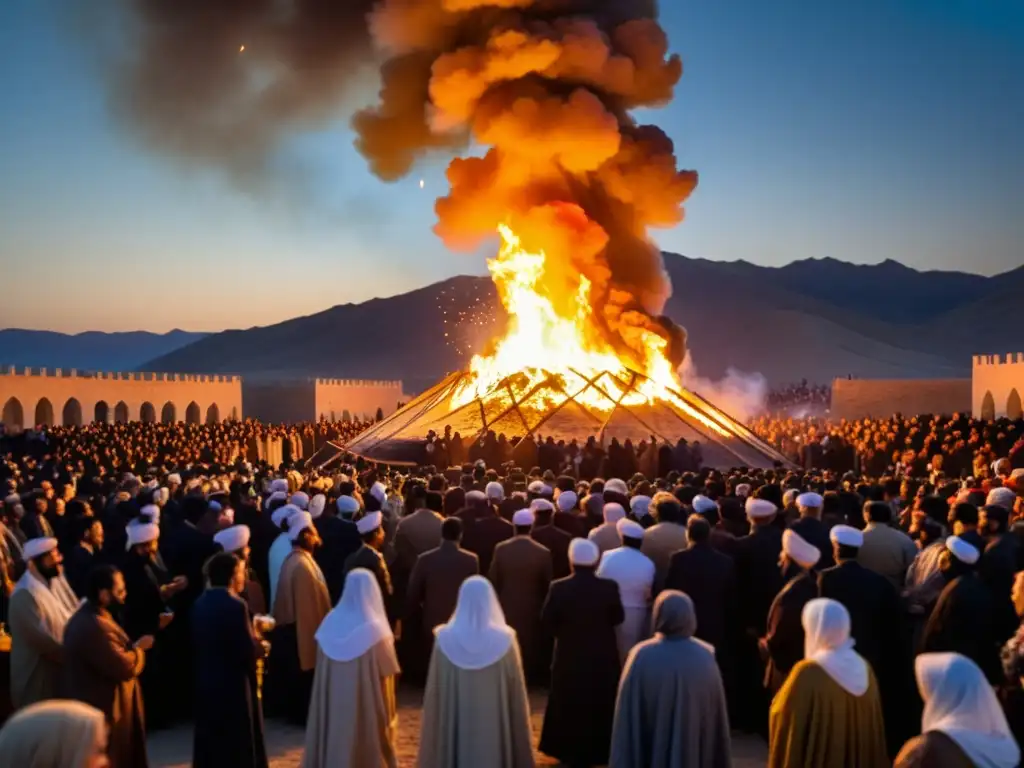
<point>49,572</point>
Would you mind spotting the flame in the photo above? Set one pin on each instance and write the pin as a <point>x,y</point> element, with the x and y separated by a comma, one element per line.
<point>543,344</point>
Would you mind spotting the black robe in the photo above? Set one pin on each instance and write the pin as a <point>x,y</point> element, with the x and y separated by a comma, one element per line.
<point>815,532</point>
<point>581,613</point>
<point>141,616</point>
<point>369,558</point>
<point>340,539</point>
<point>228,716</point>
<point>964,622</point>
<point>784,640</point>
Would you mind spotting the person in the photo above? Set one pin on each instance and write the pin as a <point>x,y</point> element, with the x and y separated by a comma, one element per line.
<point>633,571</point>
<point>488,530</point>
<point>521,574</point>
<point>55,734</point>
<point>554,538</point>
<point>416,533</point>
<point>828,714</point>
<point>606,535</point>
<point>368,556</point>
<point>85,554</point>
<point>783,644</point>
<point>998,565</point>
<point>353,713</point>
<point>228,713</point>
<point>301,604</point>
<point>666,537</point>
<point>436,578</point>
<point>670,710</point>
<point>40,607</point>
<point>235,541</point>
<point>102,667</point>
<point>963,620</point>
<point>475,708</point>
<point>340,538</point>
<point>963,724</point>
<point>282,546</point>
<point>581,613</point>
<point>886,550</point>
<point>810,528</point>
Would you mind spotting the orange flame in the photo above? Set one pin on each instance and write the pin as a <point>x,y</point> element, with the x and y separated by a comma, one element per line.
<point>541,341</point>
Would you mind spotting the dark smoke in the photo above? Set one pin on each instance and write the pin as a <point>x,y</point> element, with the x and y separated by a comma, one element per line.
<point>548,85</point>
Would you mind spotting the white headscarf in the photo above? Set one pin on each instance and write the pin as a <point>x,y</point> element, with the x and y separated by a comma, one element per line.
<point>960,703</point>
<point>476,636</point>
<point>358,622</point>
<point>827,642</point>
<point>52,734</point>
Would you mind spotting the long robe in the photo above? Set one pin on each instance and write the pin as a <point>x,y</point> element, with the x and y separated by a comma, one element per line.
<point>671,711</point>
<point>932,750</point>
<point>228,715</point>
<point>785,638</point>
<point>36,655</point>
<point>102,669</point>
<point>475,717</point>
<point>300,605</point>
<point>964,621</point>
<point>816,723</point>
<point>353,713</point>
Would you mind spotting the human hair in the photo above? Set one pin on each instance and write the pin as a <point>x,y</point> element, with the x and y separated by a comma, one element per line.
<point>965,513</point>
<point>83,525</point>
<point>846,552</point>
<point>997,514</point>
<point>220,569</point>
<point>697,528</point>
<point>451,529</point>
<point>435,501</point>
<point>878,512</point>
<point>100,577</point>
<point>665,508</point>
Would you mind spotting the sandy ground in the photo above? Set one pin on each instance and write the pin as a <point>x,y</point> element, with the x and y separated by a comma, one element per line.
<point>173,748</point>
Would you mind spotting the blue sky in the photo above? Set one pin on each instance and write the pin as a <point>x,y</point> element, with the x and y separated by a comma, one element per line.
<point>856,129</point>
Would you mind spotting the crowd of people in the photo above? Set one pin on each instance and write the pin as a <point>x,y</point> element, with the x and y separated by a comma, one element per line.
<point>850,611</point>
<point>799,395</point>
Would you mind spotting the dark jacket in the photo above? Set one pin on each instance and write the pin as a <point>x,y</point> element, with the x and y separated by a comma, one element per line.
<point>557,541</point>
<point>483,535</point>
<point>709,578</point>
<point>372,560</point>
<point>435,581</point>
<point>815,532</point>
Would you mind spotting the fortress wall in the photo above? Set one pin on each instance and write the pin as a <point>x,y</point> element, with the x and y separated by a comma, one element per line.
<point>360,398</point>
<point>997,385</point>
<point>39,396</point>
<point>881,398</point>
<point>279,402</point>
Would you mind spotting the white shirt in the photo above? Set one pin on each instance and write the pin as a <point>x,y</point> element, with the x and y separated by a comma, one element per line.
<point>633,571</point>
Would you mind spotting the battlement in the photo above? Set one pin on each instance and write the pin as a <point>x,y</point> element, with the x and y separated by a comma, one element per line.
<point>1012,358</point>
<point>72,373</point>
<point>358,383</point>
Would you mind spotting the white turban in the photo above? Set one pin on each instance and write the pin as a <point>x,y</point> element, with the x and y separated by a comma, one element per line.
<point>539,488</point>
<point>300,500</point>
<point>538,505</point>
<point>1001,497</point>
<point>284,514</point>
<point>142,533</point>
<point>846,535</point>
<point>495,491</point>
<point>370,522</point>
<point>760,508</point>
<point>583,552</point>
<point>811,500</point>
<point>347,505</point>
<point>379,492</point>
<point>234,538</point>
<point>152,511</point>
<point>316,505</point>
<point>523,518</point>
<point>743,490</point>
<point>174,479</point>
<point>275,496</point>
<point>629,529</point>
<point>799,549</point>
<point>615,485</point>
<point>299,522</point>
<point>703,505</point>
<point>567,501</point>
<point>613,512</point>
<point>475,496</point>
<point>962,550</point>
<point>639,505</point>
<point>280,485</point>
<point>37,547</point>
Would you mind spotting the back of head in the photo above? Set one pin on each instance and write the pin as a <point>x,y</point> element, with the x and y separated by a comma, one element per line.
<point>665,508</point>
<point>965,514</point>
<point>698,529</point>
<point>100,578</point>
<point>52,734</point>
<point>220,569</point>
<point>434,501</point>
<point>674,614</point>
<point>878,512</point>
<point>451,529</point>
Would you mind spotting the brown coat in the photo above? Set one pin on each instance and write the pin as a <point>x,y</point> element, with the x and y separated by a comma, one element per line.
<point>485,533</point>
<point>435,582</point>
<point>417,533</point>
<point>557,541</point>
<point>521,575</point>
<point>302,600</point>
<point>102,669</point>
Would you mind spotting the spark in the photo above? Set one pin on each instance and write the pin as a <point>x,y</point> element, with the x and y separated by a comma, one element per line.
<point>241,48</point>
<point>422,183</point>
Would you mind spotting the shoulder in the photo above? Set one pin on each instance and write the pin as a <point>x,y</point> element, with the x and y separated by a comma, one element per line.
<point>931,748</point>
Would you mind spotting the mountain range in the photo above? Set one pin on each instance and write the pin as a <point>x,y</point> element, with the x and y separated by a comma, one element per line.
<point>91,351</point>
<point>816,319</point>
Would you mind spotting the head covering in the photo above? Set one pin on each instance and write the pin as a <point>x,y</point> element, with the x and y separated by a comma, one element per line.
<point>963,550</point>
<point>369,522</point>
<point>174,479</point>
<point>522,518</point>
<point>1001,497</point>
<point>475,496</point>
<point>34,548</point>
<point>583,552</point>
<point>495,491</point>
<point>809,500</point>
<point>567,501</point>
<point>615,485</point>
<point>702,504</point>
<point>674,614</point>
<point>541,505</point>
<point>358,622</point>
<point>234,538</point>
<point>846,535</point>
<point>281,514</point>
<point>629,529</point>
<point>142,533</point>
<point>827,642</point>
<point>279,485</point>
<point>760,508</point>
<point>297,523</point>
<point>743,490</point>
<point>540,488</point>
<point>639,505</point>
<point>959,702</point>
<point>152,511</point>
<point>613,512</point>
<point>275,496</point>
<point>477,635</point>
<point>379,492</point>
<point>790,497</point>
<point>799,549</point>
<point>347,506</point>
<point>52,734</point>
<point>317,505</point>
<point>300,500</point>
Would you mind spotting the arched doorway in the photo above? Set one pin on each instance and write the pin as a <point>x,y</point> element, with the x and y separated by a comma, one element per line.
<point>121,412</point>
<point>72,414</point>
<point>44,413</point>
<point>101,413</point>
<point>14,415</point>
<point>1013,408</point>
<point>988,407</point>
<point>192,413</point>
<point>169,414</point>
<point>213,414</point>
<point>147,413</point>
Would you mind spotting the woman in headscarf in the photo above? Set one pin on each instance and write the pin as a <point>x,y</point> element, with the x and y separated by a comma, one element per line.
<point>963,724</point>
<point>475,710</point>
<point>671,708</point>
<point>55,734</point>
<point>828,713</point>
<point>353,714</point>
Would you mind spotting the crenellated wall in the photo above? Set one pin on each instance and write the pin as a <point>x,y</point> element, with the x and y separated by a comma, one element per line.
<point>997,385</point>
<point>360,398</point>
<point>31,397</point>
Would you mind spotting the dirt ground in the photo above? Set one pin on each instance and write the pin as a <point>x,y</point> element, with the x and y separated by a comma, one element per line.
<point>173,748</point>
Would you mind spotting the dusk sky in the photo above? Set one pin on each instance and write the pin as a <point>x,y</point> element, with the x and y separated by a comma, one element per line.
<point>856,129</point>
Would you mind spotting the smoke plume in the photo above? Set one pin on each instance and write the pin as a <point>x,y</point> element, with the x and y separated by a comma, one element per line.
<point>548,86</point>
